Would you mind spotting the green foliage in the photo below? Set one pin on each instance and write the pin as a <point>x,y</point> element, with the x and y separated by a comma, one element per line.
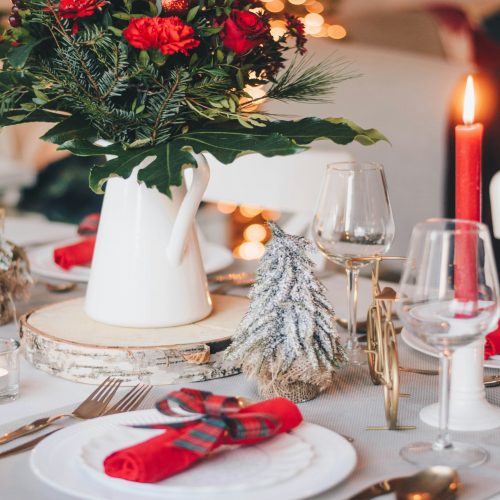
<point>83,74</point>
<point>165,169</point>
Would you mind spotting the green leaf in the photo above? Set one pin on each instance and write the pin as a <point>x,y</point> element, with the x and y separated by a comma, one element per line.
<point>69,129</point>
<point>120,166</point>
<point>124,16</point>
<point>143,58</point>
<point>19,55</point>
<point>227,145</point>
<point>115,31</point>
<point>43,97</point>
<point>83,147</point>
<point>38,115</point>
<point>338,130</point>
<point>192,13</point>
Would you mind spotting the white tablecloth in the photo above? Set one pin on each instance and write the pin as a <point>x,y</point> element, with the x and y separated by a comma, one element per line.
<point>351,405</point>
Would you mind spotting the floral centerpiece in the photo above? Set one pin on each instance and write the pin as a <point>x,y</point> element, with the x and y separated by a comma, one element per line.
<point>164,79</point>
<point>153,85</point>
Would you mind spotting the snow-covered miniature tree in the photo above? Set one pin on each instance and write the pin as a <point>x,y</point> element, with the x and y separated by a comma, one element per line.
<point>287,340</point>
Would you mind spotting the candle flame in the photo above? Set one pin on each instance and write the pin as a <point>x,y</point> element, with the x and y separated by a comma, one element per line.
<point>469,102</point>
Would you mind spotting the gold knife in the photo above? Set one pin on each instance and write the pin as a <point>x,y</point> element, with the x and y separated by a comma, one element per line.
<point>30,428</point>
<point>28,445</point>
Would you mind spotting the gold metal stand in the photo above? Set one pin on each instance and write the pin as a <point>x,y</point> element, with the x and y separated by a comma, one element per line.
<point>382,350</point>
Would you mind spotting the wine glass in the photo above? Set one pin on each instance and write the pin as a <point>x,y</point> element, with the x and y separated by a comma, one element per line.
<point>353,219</point>
<point>448,299</point>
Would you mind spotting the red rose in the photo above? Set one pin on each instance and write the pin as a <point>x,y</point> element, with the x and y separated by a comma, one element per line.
<point>168,34</point>
<point>73,9</point>
<point>243,31</point>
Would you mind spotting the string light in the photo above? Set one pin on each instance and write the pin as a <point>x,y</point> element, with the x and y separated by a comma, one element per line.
<point>226,208</point>
<point>315,7</point>
<point>255,232</point>
<point>337,32</point>
<point>275,6</point>
<point>250,211</point>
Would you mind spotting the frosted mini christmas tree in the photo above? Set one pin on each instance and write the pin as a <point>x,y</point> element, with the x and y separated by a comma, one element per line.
<point>287,340</point>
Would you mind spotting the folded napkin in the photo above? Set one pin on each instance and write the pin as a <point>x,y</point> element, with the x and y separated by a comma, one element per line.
<point>492,343</point>
<point>77,254</point>
<point>89,225</point>
<point>222,421</point>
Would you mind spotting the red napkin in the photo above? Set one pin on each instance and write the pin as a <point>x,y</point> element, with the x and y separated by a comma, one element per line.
<point>492,343</point>
<point>158,458</point>
<point>76,254</point>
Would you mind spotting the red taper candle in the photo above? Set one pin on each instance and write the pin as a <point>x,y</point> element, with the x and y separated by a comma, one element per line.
<point>468,140</point>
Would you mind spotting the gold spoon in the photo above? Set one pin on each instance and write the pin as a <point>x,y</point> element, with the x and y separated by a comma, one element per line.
<point>435,483</point>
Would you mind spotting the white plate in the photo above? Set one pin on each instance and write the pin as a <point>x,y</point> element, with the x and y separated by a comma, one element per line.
<point>56,461</point>
<point>35,230</point>
<point>415,343</point>
<point>228,469</point>
<point>215,258</point>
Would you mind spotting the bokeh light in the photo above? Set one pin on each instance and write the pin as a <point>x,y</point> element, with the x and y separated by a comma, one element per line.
<point>337,32</point>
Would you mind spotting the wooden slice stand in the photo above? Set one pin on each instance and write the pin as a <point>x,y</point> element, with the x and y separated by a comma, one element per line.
<point>62,340</point>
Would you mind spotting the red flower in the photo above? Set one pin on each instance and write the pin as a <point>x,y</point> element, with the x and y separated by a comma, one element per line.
<point>168,34</point>
<point>243,31</point>
<point>73,9</point>
<point>296,28</point>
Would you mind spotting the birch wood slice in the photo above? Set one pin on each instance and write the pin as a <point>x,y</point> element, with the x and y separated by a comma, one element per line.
<point>62,340</point>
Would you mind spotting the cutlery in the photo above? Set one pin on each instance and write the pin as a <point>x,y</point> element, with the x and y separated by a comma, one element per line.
<point>92,407</point>
<point>435,483</point>
<point>28,445</point>
<point>419,371</point>
<point>489,380</point>
<point>60,287</point>
<point>129,402</point>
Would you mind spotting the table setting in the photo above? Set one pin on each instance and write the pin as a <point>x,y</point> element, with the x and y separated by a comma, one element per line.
<point>139,359</point>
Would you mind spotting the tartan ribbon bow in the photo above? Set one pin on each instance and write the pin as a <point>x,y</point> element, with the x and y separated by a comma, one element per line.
<point>219,417</point>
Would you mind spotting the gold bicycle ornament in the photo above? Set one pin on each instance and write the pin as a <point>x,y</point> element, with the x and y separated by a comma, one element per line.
<point>381,349</point>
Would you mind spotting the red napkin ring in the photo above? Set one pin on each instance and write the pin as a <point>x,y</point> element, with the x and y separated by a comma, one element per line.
<point>221,421</point>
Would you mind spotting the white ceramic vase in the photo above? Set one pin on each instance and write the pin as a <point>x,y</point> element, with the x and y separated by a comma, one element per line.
<point>147,269</point>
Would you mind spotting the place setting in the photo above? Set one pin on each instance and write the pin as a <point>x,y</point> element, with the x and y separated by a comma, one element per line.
<point>218,285</point>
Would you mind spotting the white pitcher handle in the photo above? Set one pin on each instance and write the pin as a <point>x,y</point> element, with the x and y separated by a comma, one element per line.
<point>187,211</point>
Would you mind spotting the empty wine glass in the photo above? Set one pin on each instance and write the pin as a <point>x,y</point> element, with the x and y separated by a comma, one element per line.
<point>448,298</point>
<point>353,219</point>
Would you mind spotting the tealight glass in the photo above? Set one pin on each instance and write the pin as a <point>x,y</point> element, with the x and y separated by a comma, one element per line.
<point>9,370</point>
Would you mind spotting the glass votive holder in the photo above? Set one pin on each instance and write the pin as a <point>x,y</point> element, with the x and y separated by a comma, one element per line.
<point>9,370</point>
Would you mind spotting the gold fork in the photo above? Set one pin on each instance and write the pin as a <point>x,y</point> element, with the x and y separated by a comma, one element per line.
<point>92,407</point>
<point>129,402</point>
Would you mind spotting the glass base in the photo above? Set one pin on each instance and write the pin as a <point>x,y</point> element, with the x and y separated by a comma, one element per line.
<point>356,355</point>
<point>457,456</point>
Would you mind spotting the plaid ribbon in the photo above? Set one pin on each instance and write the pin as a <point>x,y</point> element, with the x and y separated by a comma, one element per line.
<point>219,416</point>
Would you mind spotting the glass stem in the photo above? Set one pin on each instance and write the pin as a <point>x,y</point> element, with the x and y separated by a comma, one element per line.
<point>443,440</point>
<point>352,304</point>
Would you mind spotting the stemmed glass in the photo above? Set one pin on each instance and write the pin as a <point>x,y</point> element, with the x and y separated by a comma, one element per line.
<point>353,219</point>
<point>448,298</point>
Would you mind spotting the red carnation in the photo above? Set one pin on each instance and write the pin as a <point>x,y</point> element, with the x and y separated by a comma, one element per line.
<point>168,34</point>
<point>243,31</point>
<point>73,9</point>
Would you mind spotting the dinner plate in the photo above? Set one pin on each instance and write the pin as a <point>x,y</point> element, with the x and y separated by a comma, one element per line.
<point>215,258</point>
<point>58,461</point>
<point>35,230</point>
<point>415,343</point>
<point>227,469</point>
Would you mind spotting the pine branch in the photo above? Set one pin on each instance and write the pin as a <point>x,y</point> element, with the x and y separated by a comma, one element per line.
<point>303,81</point>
